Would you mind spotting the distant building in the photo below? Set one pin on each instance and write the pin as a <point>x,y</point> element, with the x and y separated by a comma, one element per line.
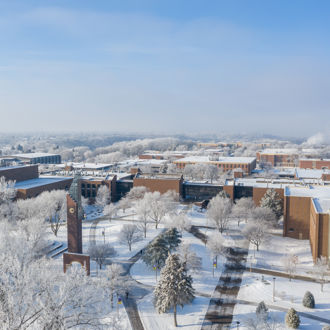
<point>247,164</point>
<point>278,157</point>
<point>314,163</point>
<point>36,158</point>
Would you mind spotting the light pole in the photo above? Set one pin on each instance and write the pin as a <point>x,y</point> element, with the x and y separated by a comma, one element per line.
<point>237,323</point>
<point>103,234</point>
<point>274,278</point>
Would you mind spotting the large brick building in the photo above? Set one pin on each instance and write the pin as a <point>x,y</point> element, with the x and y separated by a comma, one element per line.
<point>307,216</point>
<point>36,158</point>
<point>315,163</point>
<point>247,164</point>
<point>278,157</point>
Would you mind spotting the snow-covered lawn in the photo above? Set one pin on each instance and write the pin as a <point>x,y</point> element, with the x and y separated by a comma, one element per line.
<point>191,316</point>
<point>287,294</point>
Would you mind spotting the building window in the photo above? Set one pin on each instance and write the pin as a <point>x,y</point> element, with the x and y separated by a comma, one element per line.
<point>291,230</point>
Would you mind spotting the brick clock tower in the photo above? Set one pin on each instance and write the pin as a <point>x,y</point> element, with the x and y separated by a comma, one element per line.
<point>75,215</point>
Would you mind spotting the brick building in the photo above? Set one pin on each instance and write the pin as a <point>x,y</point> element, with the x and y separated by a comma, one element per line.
<point>247,164</point>
<point>37,158</point>
<point>314,164</point>
<point>278,157</point>
<point>19,173</point>
<point>306,216</point>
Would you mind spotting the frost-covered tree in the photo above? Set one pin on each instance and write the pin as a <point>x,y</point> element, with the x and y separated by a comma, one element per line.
<point>219,211</point>
<point>110,211</point>
<point>179,221</point>
<point>103,196</point>
<point>156,253</point>
<point>262,311</point>
<point>142,210</point>
<point>242,209</point>
<point>137,193</point>
<point>290,262</point>
<point>124,204</point>
<point>7,195</point>
<point>174,287</point>
<point>158,207</point>
<point>172,238</point>
<point>215,245</point>
<point>273,201</point>
<point>292,319</point>
<point>130,234</point>
<point>190,258</point>
<point>99,253</point>
<point>321,269</point>
<point>114,280</point>
<point>255,233</point>
<point>308,300</point>
<point>211,172</point>
<point>265,215</point>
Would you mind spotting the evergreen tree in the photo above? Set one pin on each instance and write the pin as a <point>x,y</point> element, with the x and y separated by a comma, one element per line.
<point>273,201</point>
<point>309,300</point>
<point>172,237</point>
<point>292,319</point>
<point>262,311</point>
<point>156,252</point>
<point>174,287</point>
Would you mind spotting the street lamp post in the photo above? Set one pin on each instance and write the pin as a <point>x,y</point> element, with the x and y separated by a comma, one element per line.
<point>237,323</point>
<point>274,278</point>
<point>103,234</point>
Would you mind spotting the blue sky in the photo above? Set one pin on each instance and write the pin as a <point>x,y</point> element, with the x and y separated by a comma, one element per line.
<point>165,66</point>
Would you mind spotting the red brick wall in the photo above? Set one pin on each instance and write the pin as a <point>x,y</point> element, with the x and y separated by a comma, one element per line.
<point>20,173</point>
<point>161,185</point>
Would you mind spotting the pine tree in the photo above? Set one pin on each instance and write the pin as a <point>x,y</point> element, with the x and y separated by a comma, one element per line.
<point>172,237</point>
<point>309,300</point>
<point>292,319</point>
<point>273,201</point>
<point>156,253</point>
<point>174,287</point>
<point>262,311</point>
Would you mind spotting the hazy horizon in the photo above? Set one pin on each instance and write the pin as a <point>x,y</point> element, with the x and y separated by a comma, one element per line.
<point>185,67</point>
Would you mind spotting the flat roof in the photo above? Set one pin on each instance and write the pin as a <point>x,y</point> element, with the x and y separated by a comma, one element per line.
<point>6,168</point>
<point>322,205</point>
<point>94,166</point>
<point>206,159</point>
<point>42,181</point>
<point>34,155</point>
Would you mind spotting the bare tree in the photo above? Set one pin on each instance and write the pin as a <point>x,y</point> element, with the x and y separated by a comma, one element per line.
<point>103,196</point>
<point>111,211</point>
<point>263,214</point>
<point>219,210</point>
<point>99,253</point>
<point>242,209</point>
<point>215,245</point>
<point>190,258</point>
<point>142,210</point>
<point>179,221</point>
<point>130,234</point>
<point>321,269</point>
<point>211,172</point>
<point>255,233</point>
<point>137,193</point>
<point>290,262</point>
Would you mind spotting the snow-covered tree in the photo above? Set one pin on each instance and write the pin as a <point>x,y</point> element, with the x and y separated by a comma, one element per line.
<point>137,193</point>
<point>219,211</point>
<point>273,201</point>
<point>242,209</point>
<point>190,258</point>
<point>103,196</point>
<point>308,300</point>
<point>124,204</point>
<point>156,252</point>
<point>174,287</point>
<point>290,262</point>
<point>142,210</point>
<point>321,269</point>
<point>114,280</point>
<point>179,221</point>
<point>7,195</point>
<point>99,253</point>
<point>255,233</point>
<point>265,215</point>
<point>292,319</point>
<point>172,238</point>
<point>211,172</point>
<point>215,245</point>
<point>130,234</point>
<point>262,311</point>
<point>110,211</point>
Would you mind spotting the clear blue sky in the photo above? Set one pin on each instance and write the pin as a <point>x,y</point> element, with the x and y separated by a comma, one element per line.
<point>178,66</point>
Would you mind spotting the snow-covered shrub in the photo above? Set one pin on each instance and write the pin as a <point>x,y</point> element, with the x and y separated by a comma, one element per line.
<point>292,319</point>
<point>262,311</point>
<point>308,300</point>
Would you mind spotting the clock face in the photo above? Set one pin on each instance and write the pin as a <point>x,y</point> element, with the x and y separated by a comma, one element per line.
<point>71,210</point>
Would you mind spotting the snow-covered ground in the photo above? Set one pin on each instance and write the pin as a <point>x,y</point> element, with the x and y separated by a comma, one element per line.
<point>191,316</point>
<point>287,294</point>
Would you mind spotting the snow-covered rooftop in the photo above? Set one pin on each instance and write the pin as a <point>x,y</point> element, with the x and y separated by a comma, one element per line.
<point>321,192</point>
<point>310,173</point>
<point>34,155</point>
<point>95,166</point>
<point>207,159</point>
<point>39,182</point>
